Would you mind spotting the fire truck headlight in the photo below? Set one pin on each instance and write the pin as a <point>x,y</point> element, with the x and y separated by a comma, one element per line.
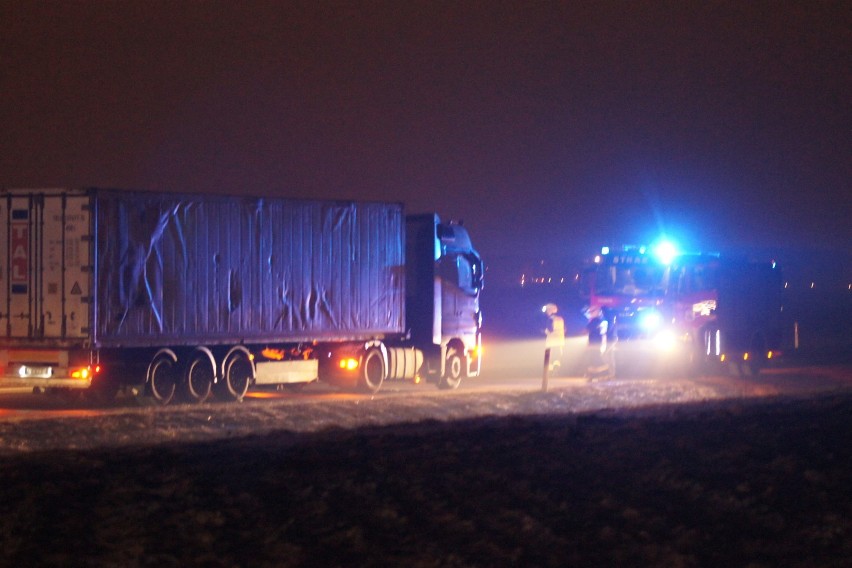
<point>650,321</point>
<point>666,340</point>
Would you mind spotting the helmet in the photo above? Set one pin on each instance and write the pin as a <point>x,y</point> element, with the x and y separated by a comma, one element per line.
<point>592,312</point>
<point>549,309</point>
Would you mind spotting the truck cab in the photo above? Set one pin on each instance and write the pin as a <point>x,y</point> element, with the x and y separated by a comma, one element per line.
<point>444,279</point>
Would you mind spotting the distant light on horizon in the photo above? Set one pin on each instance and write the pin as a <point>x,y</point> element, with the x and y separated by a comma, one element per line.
<point>553,280</point>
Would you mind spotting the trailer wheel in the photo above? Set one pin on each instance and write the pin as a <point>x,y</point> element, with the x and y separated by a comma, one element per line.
<point>162,379</point>
<point>236,378</point>
<point>454,369</point>
<point>198,379</point>
<point>373,371</point>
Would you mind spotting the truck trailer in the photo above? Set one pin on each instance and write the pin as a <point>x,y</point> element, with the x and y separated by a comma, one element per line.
<point>183,295</point>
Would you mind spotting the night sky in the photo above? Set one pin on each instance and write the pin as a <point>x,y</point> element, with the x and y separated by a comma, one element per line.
<point>549,128</point>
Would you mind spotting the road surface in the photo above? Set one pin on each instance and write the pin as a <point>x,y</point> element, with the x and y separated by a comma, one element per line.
<point>512,386</point>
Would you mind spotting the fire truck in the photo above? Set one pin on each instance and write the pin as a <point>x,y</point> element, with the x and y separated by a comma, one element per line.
<point>687,311</point>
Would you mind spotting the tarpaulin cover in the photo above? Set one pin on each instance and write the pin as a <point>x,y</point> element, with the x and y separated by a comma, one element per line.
<point>192,269</point>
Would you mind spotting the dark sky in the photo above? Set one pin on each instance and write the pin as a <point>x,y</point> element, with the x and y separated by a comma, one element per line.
<point>550,128</point>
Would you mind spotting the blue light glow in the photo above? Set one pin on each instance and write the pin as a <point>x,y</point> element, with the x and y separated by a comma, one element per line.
<point>650,320</point>
<point>665,251</point>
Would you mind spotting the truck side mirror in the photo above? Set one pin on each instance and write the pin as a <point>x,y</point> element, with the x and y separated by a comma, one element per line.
<point>477,273</point>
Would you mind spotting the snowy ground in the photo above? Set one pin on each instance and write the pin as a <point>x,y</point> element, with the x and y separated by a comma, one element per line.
<point>628,472</point>
<point>41,424</point>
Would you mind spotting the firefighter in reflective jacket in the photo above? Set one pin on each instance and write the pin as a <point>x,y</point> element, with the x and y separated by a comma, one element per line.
<point>554,335</point>
<point>598,328</point>
<point>600,355</point>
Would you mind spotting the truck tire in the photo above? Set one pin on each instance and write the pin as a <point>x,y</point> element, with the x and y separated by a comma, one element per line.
<point>453,371</point>
<point>198,378</point>
<point>162,379</point>
<point>236,377</point>
<point>373,371</point>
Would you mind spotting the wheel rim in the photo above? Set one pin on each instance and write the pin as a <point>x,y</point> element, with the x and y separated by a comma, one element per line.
<point>455,367</point>
<point>453,373</point>
<point>237,376</point>
<point>374,371</point>
<point>199,379</point>
<point>162,384</point>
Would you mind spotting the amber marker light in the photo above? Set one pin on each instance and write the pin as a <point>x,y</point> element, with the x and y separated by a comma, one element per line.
<point>273,354</point>
<point>81,373</point>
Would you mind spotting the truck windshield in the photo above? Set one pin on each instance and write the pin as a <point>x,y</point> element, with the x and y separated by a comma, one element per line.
<point>631,280</point>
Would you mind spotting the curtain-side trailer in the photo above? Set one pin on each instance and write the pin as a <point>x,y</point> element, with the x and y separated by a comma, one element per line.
<point>186,295</point>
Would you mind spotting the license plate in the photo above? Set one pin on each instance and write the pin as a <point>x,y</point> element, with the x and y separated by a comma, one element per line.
<point>27,371</point>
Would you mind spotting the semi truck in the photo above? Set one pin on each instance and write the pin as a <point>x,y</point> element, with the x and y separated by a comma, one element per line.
<point>688,311</point>
<point>177,296</point>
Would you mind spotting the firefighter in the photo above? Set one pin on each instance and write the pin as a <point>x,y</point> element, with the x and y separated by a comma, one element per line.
<point>554,341</point>
<point>610,341</point>
<point>598,326</point>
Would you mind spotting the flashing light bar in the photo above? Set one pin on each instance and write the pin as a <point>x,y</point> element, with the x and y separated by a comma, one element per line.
<point>664,250</point>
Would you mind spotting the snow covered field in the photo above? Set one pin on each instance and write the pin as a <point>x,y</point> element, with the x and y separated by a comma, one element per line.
<point>587,474</point>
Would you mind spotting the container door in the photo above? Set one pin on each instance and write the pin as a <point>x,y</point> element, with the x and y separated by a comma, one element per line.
<point>45,282</point>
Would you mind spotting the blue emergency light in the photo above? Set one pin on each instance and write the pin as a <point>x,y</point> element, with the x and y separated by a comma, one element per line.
<point>665,251</point>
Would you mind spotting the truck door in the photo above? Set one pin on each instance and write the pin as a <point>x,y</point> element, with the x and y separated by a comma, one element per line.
<point>460,298</point>
<point>45,282</point>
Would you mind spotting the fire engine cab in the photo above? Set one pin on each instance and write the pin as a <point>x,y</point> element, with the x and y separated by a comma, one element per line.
<point>679,310</point>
